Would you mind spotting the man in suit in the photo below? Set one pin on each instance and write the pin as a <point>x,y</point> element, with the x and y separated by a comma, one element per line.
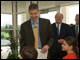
<point>45,33</point>
<point>75,28</point>
<point>61,31</point>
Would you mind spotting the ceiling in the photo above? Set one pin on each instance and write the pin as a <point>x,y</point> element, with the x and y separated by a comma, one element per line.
<point>51,2</point>
<point>41,4</point>
<point>2,2</point>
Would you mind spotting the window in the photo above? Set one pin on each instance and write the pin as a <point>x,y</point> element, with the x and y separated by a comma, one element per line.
<point>73,10</point>
<point>5,51</point>
<point>20,19</point>
<point>6,26</point>
<point>69,13</point>
<point>6,6</point>
<point>21,6</point>
<point>6,21</point>
<point>4,35</point>
<point>50,16</point>
<point>13,14</point>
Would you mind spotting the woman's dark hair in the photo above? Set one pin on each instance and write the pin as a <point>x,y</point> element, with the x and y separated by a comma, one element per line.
<point>73,41</point>
<point>29,52</point>
<point>33,6</point>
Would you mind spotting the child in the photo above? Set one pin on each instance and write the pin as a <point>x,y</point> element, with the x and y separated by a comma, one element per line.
<point>29,52</point>
<point>70,46</point>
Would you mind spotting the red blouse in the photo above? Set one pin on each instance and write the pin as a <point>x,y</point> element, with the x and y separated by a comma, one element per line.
<point>70,56</point>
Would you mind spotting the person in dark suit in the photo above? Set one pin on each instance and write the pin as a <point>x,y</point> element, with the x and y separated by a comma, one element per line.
<point>45,33</point>
<point>75,28</point>
<point>61,30</point>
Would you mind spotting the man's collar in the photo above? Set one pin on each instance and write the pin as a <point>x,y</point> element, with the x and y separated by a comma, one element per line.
<point>59,24</point>
<point>37,21</point>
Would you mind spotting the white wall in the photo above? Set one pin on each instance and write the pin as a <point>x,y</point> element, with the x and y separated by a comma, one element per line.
<point>69,13</point>
<point>63,11</point>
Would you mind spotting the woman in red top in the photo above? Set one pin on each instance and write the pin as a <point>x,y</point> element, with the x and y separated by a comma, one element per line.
<point>70,46</point>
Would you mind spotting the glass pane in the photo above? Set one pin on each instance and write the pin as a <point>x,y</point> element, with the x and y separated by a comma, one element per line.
<point>6,6</point>
<point>18,39</point>
<point>20,19</point>
<point>4,35</point>
<point>74,9</point>
<point>46,4</point>
<point>50,16</point>
<point>69,13</point>
<point>21,6</point>
<point>6,21</point>
<point>5,51</point>
<point>18,35</point>
<point>19,51</point>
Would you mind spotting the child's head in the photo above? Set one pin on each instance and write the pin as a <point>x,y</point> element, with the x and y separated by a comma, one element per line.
<point>70,43</point>
<point>29,52</point>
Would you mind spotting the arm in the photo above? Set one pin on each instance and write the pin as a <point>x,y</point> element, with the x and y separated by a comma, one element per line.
<point>50,39</point>
<point>50,35</point>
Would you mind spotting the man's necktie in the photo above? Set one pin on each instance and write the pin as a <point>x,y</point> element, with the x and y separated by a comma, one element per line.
<point>58,30</point>
<point>36,35</point>
<point>76,31</point>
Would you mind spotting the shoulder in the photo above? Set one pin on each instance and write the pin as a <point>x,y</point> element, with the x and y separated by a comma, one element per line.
<point>73,26</point>
<point>70,56</point>
<point>73,55</point>
<point>65,57</point>
<point>65,24</point>
<point>26,22</point>
<point>53,24</point>
<point>44,21</point>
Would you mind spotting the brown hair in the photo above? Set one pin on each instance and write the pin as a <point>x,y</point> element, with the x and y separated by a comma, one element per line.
<point>29,52</point>
<point>73,41</point>
<point>33,6</point>
<point>71,25</point>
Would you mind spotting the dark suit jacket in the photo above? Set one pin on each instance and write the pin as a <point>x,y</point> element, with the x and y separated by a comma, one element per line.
<point>65,31</point>
<point>73,30</point>
<point>45,30</point>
